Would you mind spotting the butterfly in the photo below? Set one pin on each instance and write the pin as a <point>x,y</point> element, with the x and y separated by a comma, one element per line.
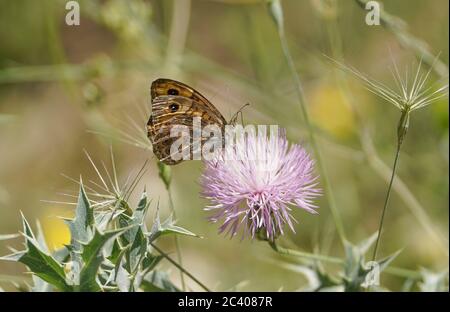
<point>174,103</point>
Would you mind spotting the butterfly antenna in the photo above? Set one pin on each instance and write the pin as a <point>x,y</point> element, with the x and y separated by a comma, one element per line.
<point>242,116</point>
<point>235,116</point>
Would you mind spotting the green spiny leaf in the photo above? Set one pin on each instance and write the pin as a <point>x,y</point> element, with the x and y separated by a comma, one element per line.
<point>150,261</point>
<point>81,227</point>
<point>167,227</point>
<point>119,261</point>
<point>39,261</point>
<point>317,279</point>
<point>122,276</point>
<point>137,250</point>
<point>384,263</point>
<point>8,236</point>
<point>364,245</point>
<point>143,202</point>
<point>354,270</point>
<point>115,252</point>
<point>357,271</point>
<point>92,257</point>
<point>43,265</point>
<point>135,224</point>
<point>432,281</point>
<point>27,231</point>
<point>158,281</point>
<point>41,239</point>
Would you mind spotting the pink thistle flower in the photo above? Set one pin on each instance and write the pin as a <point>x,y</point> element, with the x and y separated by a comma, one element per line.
<point>253,184</point>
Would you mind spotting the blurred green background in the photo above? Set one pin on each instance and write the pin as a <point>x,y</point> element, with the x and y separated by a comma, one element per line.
<point>68,88</point>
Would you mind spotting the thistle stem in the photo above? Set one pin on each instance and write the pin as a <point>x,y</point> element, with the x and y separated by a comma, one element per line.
<point>177,244</point>
<point>165,174</point>
<point>386,201</point>
<point>329,259</point>
<point>301,254</point>
<point>180,267</point>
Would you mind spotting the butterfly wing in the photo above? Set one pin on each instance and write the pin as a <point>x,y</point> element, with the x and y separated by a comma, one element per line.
<point>174,103</point>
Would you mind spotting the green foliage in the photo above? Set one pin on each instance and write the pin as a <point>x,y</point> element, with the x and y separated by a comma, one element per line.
<point>356,275</point>
<point>109,251</point>
<point>158,281</point>
<point>81,225</point>
<point>357,272</point>
<point>167,227</point>
<point>39,261</point>
<point>135,39</point>
<point>432,281</point>
<point>317,278</point>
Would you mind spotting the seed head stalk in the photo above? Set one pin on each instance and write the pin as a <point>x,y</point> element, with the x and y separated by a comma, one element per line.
<point>388,194</point>
<point>411,95</point>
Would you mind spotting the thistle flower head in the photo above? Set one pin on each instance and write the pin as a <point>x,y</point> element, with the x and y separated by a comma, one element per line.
<point>252,184</point>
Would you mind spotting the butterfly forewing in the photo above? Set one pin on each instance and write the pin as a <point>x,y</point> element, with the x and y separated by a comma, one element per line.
<point>174,103</point>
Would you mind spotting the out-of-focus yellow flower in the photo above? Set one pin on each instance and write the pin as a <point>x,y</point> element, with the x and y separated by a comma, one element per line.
<point>440,113</point>
<point>331,112</point>
<point>56,232</point>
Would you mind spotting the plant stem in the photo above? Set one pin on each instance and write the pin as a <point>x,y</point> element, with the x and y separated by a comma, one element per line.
<point>301,254</point>
<point>369,151</point>
<point>386,201</point>
<point>180,267</point>
<point>277,14</point>
<point>165,173</point>
<point>411,202</point>
<point>179,27</point>
<point>56,50</point>
<point>177,244</point>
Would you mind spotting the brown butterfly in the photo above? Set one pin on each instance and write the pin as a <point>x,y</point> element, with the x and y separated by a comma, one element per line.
<point>174,103</point>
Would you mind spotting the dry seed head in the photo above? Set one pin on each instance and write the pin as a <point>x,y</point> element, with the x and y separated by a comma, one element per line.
<point>413,91</point>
